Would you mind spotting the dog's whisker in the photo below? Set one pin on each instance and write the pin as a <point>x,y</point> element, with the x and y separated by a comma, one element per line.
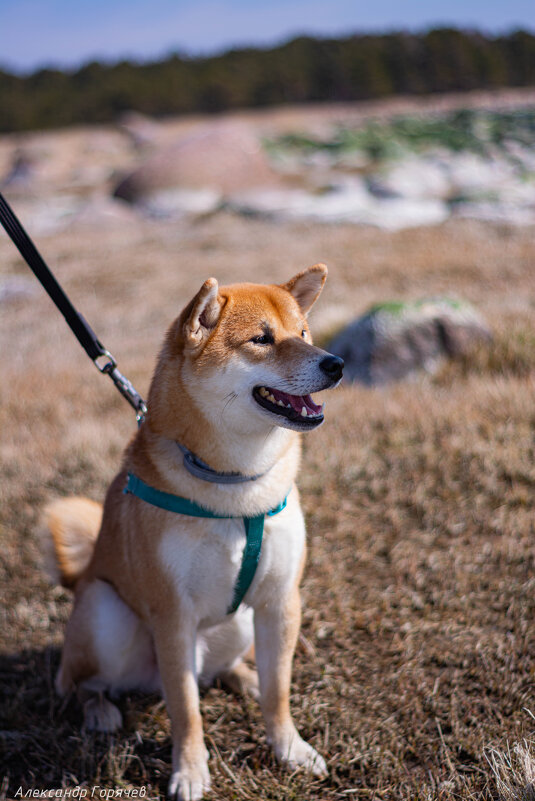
<point>231,397</point>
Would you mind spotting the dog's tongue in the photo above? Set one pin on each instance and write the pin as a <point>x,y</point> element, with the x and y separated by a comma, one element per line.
<point>297,401</point>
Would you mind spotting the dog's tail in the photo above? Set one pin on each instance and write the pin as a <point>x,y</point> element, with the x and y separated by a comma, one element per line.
<point>71,526</point>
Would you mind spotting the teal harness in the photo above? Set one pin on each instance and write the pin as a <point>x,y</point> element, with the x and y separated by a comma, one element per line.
<point>254,528</point>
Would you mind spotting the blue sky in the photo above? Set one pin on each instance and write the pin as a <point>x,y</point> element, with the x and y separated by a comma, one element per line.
<point>34,33</point>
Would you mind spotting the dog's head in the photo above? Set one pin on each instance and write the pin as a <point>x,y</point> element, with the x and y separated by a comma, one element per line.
<point>247,355</point>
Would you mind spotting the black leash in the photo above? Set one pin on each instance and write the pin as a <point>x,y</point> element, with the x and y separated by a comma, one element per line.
<point>78,325</point>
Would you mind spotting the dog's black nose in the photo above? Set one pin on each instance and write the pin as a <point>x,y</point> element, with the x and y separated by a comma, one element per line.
<point>332,366</point>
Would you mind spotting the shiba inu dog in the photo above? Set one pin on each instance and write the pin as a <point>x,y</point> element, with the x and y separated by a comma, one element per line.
<point>155,587</point>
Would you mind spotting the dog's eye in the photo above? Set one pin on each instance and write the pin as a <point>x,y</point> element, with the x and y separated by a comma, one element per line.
<point>304,333</point>
<point>265,339</point>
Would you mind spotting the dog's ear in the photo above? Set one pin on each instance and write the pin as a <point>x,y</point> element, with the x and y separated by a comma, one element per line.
<point>205,309</point>
<point>307,285</point>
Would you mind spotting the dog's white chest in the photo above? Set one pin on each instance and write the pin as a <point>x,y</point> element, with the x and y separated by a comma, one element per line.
<point>204,556</point>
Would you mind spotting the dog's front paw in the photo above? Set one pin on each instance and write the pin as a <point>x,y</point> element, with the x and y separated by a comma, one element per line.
<point>190,782</point>
<point>294,752</point>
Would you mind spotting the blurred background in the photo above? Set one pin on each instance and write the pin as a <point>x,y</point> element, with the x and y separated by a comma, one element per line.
<point>148,146</point>
<point>355,114</point>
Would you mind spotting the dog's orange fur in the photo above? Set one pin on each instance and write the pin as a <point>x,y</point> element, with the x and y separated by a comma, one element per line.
<point>74,524</point>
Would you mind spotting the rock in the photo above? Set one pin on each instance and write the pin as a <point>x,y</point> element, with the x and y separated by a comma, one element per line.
<point>396,214</point>
<point>393,340</point>
<point>346,202</point>
<point>181,202</point>
<point>471,174</point>
<point>224,157</point>
<point>334,205</point>
<point>413,177</point>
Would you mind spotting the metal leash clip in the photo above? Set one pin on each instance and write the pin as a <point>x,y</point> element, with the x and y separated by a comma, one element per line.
<point>109,363</point>
<point>122,383</point>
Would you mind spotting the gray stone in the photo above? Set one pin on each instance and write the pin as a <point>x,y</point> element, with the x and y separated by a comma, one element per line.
<point>224,157</point>
<point>348,201</point>
<point>392,340</point>
<point>413,177</point>
<point>176,203</point>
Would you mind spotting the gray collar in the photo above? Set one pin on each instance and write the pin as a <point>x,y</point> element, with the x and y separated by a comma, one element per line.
<point>201,470</point>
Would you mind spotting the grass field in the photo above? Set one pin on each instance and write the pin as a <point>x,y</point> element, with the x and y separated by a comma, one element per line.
<point>417,655</point>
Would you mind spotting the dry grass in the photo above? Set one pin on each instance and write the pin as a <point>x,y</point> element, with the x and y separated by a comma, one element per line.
<point>514,771</point>
<point>418,646</point>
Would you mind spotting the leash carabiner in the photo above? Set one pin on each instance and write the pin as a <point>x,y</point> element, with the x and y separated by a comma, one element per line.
<point>126,389</point>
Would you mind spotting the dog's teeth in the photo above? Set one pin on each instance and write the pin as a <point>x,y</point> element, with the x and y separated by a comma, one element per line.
<point>271,398</point>
<point>288,405</point>
<point>304,412</point>
<point>263,391</point>
<point>280,403</point>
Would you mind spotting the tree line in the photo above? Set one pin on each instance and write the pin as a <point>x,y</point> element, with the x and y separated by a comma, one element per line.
<point>305,69</point>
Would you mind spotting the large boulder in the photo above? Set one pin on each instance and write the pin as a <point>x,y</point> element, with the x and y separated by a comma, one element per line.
<point>222,158</point>
<point>394,339</point>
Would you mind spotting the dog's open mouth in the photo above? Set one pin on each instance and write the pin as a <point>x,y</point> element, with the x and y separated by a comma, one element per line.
<point>299,409</point>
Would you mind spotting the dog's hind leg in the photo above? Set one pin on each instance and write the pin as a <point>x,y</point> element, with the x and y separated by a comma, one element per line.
<point>107,649</point>
<point>220,652</point>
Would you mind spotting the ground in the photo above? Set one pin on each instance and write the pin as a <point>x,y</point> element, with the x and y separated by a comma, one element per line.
<point>417,653</point>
